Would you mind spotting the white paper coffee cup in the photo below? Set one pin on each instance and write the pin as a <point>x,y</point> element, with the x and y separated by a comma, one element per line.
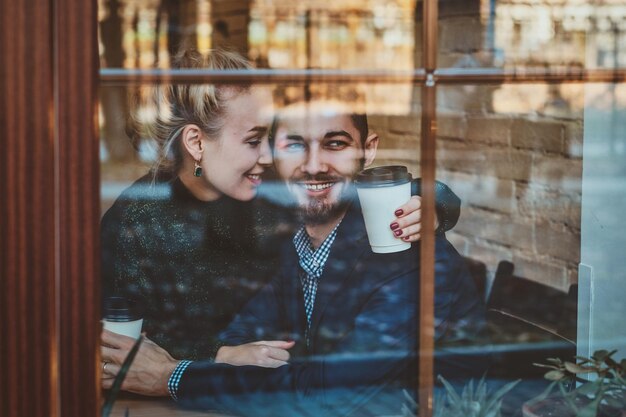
<point>122,316</point>
<point>381,191</point>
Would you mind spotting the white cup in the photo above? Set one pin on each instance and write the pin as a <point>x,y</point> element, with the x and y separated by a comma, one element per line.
<point>121,315</point>
<point>381,191</point>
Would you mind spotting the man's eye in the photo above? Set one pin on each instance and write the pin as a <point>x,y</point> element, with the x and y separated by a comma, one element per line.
<point>294,147</point>
<point>336,144</point>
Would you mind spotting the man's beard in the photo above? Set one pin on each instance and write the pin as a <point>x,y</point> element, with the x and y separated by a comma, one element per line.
<point>319,211</point>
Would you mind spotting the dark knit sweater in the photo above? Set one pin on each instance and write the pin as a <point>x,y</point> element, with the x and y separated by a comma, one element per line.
<point>191,264</point>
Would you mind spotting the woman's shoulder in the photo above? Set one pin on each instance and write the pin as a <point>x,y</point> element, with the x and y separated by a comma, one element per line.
<point>139,199</point>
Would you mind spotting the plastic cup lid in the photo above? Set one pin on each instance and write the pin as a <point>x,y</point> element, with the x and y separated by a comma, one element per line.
<point>120,309</point>
<point>384,176</point>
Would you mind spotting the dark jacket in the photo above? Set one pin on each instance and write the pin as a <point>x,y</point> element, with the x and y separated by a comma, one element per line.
<point>362,339</point>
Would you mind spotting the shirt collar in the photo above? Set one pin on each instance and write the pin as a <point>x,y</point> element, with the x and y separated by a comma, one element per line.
<point>311,260</point>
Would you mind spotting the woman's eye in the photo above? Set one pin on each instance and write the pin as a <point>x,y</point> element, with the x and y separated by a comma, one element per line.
<point>254,142</point>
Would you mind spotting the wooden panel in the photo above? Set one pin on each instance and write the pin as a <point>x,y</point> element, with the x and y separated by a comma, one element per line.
<point>28,384</point>
<point>78,206</point>
<point>49,299</point>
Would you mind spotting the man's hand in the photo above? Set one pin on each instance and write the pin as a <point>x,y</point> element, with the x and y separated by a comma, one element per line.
<point>149,372</point>
<point>268,354</point>
<point>408,223</point>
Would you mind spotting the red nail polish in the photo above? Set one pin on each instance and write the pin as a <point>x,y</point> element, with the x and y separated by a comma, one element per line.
<point>394,226</point>
<point>397,232</point>
<point>398,212</point>
<point>405,238</point>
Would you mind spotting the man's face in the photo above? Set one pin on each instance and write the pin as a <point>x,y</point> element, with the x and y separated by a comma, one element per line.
<point>318,150</point>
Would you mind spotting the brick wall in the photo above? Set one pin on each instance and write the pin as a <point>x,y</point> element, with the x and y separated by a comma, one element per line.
<point>512,153</point>
<point>519,176</point>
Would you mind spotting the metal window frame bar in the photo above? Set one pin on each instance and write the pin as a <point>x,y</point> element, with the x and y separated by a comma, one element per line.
<point>112,77</point>
<point>428,164</point>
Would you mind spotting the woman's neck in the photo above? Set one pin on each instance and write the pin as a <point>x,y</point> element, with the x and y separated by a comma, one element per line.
<point>198,186</point>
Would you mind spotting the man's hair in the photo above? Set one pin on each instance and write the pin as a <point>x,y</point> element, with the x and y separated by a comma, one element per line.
<point>360,122</point>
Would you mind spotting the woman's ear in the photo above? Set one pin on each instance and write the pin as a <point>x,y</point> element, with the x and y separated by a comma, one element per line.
<point>191,138</point>
<point>371,144</point>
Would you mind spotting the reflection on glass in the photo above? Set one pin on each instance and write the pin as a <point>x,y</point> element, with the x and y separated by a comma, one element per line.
<point>246,233</point>
<point>602,268</point>
<point>512,34</point>
<point>514,154</point>
<point>224,185</point>
<point>290,35</point>
<point>332,35</point>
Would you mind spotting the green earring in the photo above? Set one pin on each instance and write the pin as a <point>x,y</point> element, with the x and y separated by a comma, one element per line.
<point>197,170</point>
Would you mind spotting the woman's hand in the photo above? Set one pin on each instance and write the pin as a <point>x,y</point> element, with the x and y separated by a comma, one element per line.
<point>268,354</point>
<point>149,372</point>
<point>407,225</point>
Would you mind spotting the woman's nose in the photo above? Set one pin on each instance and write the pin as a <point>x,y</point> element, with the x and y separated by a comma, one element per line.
<point>265,156</point>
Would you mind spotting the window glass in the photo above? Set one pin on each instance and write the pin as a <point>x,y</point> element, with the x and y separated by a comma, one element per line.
<point>601,275</point>
<point>218,257</point>
<point>518,34</point>
<point>206,188</point>
<point>282,35</point>
<point>538,168</point>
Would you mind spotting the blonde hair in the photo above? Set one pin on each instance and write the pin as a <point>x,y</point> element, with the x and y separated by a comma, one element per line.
<point>176,105</point>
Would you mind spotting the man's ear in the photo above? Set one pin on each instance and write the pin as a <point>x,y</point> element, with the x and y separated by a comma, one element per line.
<point>191,138</point>
<point>371,144</point>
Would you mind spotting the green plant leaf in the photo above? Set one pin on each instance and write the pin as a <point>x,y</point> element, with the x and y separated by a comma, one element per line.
<point>119,379</point>
<point>568,397</point>
<point>497,396</point>
<point>544,394</point>
<point>583,360</point>
<point>614,402</point>
<point>602,355</point>
<point>555,375</point>
<point>452,395</point>
<point>591,409</point>
<point>577,369</point>
<point>543,365</point>
<point>589,388</point>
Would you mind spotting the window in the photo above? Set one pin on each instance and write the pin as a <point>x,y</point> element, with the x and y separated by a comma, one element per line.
<point>517,107</point>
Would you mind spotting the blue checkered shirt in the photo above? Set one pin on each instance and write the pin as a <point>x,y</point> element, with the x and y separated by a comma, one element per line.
<point>174,380</point>
<point>312,262</point>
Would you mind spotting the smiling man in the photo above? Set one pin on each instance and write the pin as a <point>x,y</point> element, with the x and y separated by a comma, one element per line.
<point>319,147</point>
<point>342,317</point>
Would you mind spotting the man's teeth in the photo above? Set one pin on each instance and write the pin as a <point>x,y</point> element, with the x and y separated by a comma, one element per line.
<point>254,176</point>
<point>317,187</point>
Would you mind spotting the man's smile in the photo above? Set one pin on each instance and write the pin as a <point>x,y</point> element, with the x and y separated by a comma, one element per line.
<point>316,186</point>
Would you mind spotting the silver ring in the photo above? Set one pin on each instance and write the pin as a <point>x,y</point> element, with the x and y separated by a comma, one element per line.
<point>104,366</point>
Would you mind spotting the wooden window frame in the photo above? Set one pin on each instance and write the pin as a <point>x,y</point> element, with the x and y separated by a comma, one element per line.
<point>49,291</point>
